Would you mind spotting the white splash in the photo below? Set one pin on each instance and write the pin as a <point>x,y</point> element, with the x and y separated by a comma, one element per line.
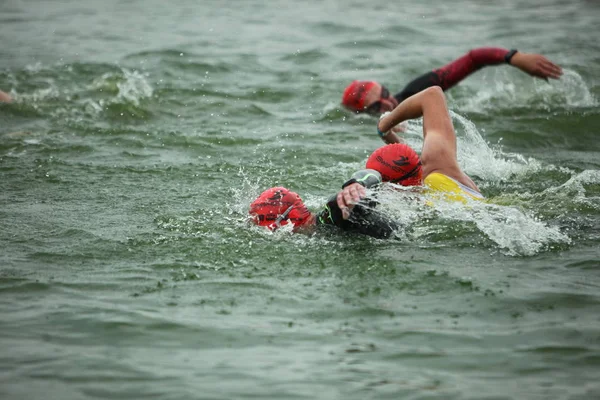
<point>477,158</point>
<point>510,228</point>
<point>131,86</point>
<point>574,189</point>
<point>515,232</point>
<point>134,87</point>
<point>570,91</point>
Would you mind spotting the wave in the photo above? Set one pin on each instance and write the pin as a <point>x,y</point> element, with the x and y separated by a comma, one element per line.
<point>81,90</point>
<point>570,91</point>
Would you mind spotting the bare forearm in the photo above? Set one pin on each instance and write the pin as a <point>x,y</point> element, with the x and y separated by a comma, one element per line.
<point>429,104</point>
<point>536,65</point>
<point>410,108</point>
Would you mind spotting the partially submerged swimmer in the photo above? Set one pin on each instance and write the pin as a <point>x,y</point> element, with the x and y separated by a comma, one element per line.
<point>4,97</point>
<point>373,98</point>
<point>437,170</point>
<point>278,206</point>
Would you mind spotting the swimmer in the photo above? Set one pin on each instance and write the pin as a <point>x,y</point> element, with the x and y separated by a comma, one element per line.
<point>4,97</point>
<point>373,98</point>
<point>436,170</point>
<point>278,206</point>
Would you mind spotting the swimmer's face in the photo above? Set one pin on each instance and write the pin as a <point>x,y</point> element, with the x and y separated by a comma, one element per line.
<point>379,100</point>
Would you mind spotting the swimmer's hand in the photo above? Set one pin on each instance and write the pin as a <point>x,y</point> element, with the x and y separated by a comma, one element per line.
<point>391,136</point>
<point>349,197</point>
<point>4,97</point>
<point>536,65</point>
<point>402,127</point>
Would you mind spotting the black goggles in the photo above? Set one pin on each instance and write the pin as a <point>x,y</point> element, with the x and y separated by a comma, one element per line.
<point>375,107</point>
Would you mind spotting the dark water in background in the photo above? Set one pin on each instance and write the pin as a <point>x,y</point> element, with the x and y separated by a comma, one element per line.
<point>141,131</point>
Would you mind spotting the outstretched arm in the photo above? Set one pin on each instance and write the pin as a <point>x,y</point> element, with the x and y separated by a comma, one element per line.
<point>536,65</point>
<point>530,63</point>
<point>454,72</point>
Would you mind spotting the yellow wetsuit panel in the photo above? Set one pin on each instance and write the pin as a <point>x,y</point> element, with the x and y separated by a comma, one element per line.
<point>449,189</point>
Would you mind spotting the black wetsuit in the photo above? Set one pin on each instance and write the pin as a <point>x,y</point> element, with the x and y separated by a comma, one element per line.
<point>364,219</point>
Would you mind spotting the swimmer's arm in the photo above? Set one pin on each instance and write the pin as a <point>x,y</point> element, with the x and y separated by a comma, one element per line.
<point>417,85</point>
<point>457,70</point>
<point>530,63</point>
<point>391,136</point>
<point>350,211</point>
<point>422,104</point>
<point>454,72</point>
<point>4,97</point>
<point>364,220</point>
<point>354,190</point>
<point>536,65</point>
<point>339,206</point>
<point>439,145</point>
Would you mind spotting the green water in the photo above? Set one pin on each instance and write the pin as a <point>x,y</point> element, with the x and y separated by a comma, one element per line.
<point>141,131</point>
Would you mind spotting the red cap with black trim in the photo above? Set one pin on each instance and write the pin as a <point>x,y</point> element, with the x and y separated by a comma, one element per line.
<point>355,93</point>
<point>397,163</point>
<point>278,206</point>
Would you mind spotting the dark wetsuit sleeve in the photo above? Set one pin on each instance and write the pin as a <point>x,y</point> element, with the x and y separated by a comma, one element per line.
<point>364,218</point>
<point>454,72</point>
<point>417,85</point>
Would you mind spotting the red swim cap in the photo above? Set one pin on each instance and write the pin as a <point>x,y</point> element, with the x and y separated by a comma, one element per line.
<point>277,206</point>
<point>354,95</point>
<point>397,163</point>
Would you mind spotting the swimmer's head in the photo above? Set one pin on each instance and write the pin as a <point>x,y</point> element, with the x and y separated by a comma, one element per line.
<point>368,96</point>
<point>397,163</point>
<point>278,206</point>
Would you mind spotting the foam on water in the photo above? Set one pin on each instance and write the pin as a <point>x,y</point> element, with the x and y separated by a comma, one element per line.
<point>574,189</point>
<point>569,91</point>
<point>475,155</point>
<point>478,159</point>
<point>131,86</point>
<point>513,231</point>
<point>62,85</point>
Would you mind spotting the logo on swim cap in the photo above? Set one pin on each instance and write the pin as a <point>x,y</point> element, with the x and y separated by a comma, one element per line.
<point>397,163</point>
<point>355,93</point>
<point>402,161</point>
<point>277,195</point>
<point>278,206</point>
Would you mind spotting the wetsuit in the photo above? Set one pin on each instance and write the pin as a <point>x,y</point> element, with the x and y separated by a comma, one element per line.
<point>454,72</point>
<point>364,218</point>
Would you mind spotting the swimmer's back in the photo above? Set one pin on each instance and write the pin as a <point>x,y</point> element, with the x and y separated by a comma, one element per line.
<point>450,189</point>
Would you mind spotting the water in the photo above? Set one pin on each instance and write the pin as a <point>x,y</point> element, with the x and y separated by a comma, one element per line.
<point>142,130</point>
